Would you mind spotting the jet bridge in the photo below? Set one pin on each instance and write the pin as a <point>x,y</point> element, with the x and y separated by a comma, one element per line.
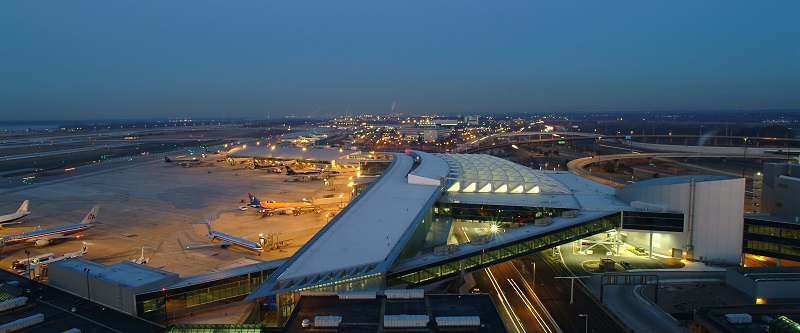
<point>433,267</point>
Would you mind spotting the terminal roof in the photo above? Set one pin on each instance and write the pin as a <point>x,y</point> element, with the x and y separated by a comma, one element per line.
<point>480,173</point>
<point>367,232</point>
<point>125,274</point>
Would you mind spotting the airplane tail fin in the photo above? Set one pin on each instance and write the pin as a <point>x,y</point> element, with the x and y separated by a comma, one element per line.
<point>85,247</point>
<point>167,160</point>
<point>23,208</point>
<point>253,200</point>
<point>92,216</point>
<point>289,171</point>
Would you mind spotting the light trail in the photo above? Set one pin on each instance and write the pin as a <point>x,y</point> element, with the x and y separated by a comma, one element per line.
<point>539,318</point>
<point>504,302</point>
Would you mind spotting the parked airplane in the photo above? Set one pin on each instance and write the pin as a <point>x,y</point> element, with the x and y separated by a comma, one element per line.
<point>37,264</point>
<point>75,254</point>
<point>142,260</point>
<point>43,237</point>
<point>269,168</point>
<point>227,240</point>
<point>21,212</point>
<point>168,160</point>
<point>277,207</point>
<point>290,172</point>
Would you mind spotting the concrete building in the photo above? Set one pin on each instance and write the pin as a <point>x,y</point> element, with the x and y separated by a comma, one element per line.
<point>114,286</point>
<point>706,223</point>
<point>772,237</point>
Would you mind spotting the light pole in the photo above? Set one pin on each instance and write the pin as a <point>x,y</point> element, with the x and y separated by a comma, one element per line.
<point>28,263</point>
<point>744,156</point>
<point>88,293</point>
<point>166,313</point>
<point>586,327</point>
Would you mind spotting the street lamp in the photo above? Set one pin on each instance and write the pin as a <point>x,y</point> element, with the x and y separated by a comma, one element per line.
<point>586,327</point>
<point>28,263</point>
<point>88,294</point>
<point>744,156</point>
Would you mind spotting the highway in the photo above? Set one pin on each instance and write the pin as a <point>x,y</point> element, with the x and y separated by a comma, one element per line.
<point>519,307</point>
<point>522,311</point>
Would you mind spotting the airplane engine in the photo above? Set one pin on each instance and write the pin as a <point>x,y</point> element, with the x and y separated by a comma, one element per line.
<point>42,242</point>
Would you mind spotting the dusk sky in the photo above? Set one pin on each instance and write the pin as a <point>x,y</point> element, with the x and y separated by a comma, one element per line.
<point>259,59</point>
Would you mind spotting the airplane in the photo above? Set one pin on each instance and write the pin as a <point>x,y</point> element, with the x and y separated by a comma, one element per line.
<point>43,237</point>
<point>142,260</point>
<point>168,160</point>
<point>269,168</point>
<point>290,172</point>
<point>34,263</point>
<point>277,207</point>
<point>227,240</point>
<point>21,212</point>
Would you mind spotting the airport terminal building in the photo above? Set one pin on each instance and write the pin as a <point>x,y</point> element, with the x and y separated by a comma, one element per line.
<point>404,230</point>
<point>432,217</point>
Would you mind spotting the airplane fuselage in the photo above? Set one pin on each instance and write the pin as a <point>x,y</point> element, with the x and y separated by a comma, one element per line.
<point>243,243</point>
<point>45,234</point>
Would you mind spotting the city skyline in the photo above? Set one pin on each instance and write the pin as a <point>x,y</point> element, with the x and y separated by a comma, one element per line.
<point>97,60</point>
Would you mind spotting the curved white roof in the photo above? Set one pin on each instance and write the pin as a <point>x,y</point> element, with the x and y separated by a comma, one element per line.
<point>488,174</point>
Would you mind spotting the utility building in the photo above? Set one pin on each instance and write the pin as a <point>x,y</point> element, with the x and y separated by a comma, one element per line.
<point>113,286</point>
<point>697,217</point>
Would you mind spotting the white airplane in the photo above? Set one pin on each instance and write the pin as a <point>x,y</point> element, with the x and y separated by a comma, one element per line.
<point>48,258</point>
<point>227,240</point>
<point>75,254</point>
<point>21,212</point>
<point>43,237</point>
<point>142,260</point>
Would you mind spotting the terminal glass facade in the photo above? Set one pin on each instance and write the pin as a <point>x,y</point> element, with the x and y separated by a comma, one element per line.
<point>179,301</point>
<point>288,300</point>
<point>652,221</point>
<point>494,213</point>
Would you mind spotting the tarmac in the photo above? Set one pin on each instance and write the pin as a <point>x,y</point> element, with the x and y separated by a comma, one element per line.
<point>147,203</point>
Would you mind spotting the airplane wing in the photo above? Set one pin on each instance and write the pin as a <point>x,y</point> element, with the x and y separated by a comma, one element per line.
<point>205,246</point>
<point>8,223</point>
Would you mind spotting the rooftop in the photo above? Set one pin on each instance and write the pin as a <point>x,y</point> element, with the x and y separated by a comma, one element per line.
<point>384,213</point>
<point>124,274</point>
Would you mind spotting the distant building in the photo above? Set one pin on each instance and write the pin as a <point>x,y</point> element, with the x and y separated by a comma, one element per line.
<point>472,120</point>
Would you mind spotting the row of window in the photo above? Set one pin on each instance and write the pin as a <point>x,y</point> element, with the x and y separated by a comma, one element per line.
<point>773,231</point>
<point>206,295</point>
<point>772,247</point>
<point>515,214</point>
<point>219,292</point>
